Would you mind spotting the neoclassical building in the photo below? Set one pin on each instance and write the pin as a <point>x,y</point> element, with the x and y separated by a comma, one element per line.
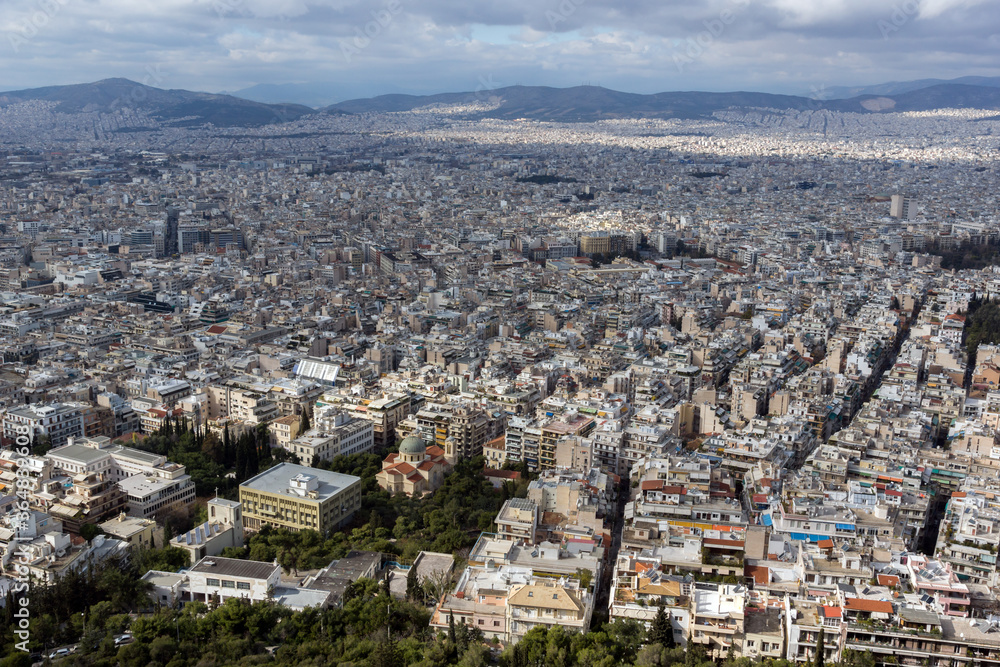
<point>418,468</point>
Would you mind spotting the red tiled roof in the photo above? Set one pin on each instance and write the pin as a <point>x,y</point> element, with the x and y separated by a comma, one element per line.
<point>761,575</point>
<point>652,485</point>
<point>497,443</point>
<point>502,474</point>
<point>825,544</point>
<point>888,580</point>
<point>216,329</point>
<point>861,604</point>
<point>832,612</point>
<point>641,567</point>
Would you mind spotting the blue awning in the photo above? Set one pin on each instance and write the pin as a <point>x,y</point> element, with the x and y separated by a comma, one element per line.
<point>845,526</point>
<point>766,519</point>
<point>799,536</point>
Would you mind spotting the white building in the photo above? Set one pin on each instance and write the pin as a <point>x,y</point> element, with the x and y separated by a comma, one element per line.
<point>224,528</point>
<point>231,577</point>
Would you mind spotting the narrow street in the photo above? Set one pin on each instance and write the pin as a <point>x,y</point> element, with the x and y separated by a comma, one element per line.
<point>602,603</point>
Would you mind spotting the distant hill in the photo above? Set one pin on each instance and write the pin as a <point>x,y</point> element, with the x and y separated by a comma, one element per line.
<point>313,95</point>
<point>580,103</point>
<point>899,87</point>
<point>181,108</point>
<point>591,103</point>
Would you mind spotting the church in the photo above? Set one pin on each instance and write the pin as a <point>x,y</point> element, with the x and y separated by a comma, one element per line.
<point>417,469</point>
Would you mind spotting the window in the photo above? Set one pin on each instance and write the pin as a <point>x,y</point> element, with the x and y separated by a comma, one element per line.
<point>226,583</point>
<point>243,585</point>
<point>211,582</point>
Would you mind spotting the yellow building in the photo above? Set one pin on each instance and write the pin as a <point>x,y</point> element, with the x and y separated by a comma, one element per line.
<point>138,532</point>
<point>298,497</point>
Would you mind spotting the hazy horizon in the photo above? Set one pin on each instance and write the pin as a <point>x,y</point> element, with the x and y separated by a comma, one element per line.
<point>353,49</point>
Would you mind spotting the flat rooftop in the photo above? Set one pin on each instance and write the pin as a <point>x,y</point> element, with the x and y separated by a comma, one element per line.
<point>277,480</point>
<point>234,567</point>
<point>79,454</point>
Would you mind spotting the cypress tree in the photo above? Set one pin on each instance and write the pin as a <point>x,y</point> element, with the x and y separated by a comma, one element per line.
<point>227,448</point>
<point>253,459</point>
<point>414,593</point>
<point>241,461</point>
<point>820,649</point>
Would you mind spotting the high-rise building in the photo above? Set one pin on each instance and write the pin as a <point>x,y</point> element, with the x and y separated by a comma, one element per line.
<point>903,207</point>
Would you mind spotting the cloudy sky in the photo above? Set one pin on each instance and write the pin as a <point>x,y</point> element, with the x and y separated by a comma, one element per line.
<point>360,48</point>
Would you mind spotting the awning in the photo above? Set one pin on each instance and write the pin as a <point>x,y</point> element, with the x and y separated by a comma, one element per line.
<point>766,519</point>
<point>845,526</point>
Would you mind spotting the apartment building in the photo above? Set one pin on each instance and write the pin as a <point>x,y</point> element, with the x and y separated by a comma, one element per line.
<point>297,497</point>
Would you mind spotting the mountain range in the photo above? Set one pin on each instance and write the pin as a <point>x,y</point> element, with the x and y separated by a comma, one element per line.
<point>591,103</point>
<point>897,87</point>
<point>182,108</point>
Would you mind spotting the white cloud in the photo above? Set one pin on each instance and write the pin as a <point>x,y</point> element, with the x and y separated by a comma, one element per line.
<point>440,45</point>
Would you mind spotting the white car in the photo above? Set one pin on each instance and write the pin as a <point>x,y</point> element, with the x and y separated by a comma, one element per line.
<point>124,639</point>
<point>59,653</point>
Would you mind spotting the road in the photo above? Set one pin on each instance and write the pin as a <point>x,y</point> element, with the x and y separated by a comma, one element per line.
<point>604,585</point>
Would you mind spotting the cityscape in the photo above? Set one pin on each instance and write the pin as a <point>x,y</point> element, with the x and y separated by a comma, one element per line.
<point>520,376</point>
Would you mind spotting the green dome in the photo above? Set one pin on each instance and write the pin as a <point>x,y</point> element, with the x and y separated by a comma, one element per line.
<point>412,445</point>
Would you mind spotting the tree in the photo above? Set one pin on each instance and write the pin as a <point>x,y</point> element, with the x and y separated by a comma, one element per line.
<point>89,531</point>
<point>386,654</point>
<point>227,448</point>
<point>304,424</point>
<point>661,630</point>
<point>414,592</point>
<point>242,462</point>
<point>41,445</point>
<point>820,649</point>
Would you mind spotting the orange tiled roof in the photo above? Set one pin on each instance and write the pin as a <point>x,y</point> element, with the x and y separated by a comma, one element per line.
<point>861,604</point>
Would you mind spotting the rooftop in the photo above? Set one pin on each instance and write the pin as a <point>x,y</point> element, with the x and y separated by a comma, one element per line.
<point>234,567</point>
<point>277,480</point>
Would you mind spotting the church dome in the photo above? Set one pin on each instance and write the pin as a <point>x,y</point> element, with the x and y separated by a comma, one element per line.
<point>412,446</point>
